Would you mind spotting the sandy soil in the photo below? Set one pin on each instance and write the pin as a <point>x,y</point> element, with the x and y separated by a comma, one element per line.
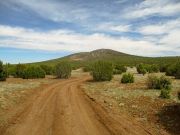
<point>160,116</point>
<point>63,109</point>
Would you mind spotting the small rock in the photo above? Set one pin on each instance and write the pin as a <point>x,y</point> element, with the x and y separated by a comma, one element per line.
<point>142,119</point>
<point>92,99</point>
<point>121,104</point>
<point>134,106</point>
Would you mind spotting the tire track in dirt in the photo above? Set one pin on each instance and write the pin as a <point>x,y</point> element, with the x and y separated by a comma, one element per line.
<point>39,117</point>
<point>63,109</point>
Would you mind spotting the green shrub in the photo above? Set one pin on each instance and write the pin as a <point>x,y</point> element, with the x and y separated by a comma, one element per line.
<point>165,83</point>
<point>115,71</point>
<point>12,70</point>
<point>163,67</point>
<point>119,69</point>
<point>174,70</point>
<point>102,71</point>
<point>162,83</point>
<point>19,70</point>
<point>148,68</point>
<point>48,69</point>
<point>5,68</point>
<point>54,70</point>
<point>144,68</point>
<point>155,82</point>
<point>179,95</point>
<point>165,93</point>
<point>127,78</point>
<point>33,72</point>
<point>3,74</point>
<point>177,71</point>
<point>87,68</point>
<point>153,68</point>
<point>177,74</point>
<point>141,69</point>
<point>63,70</point>
<point>171,70</point>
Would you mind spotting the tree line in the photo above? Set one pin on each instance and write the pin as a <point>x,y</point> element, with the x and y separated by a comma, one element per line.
<point>100,71</point>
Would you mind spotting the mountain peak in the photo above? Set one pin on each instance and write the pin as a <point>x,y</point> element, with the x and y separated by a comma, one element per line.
<point>106,52</point>
<point>96,54</point>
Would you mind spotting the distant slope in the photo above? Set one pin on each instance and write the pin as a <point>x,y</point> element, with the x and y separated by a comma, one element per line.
<point>97,54</point>
<point>110,55</point>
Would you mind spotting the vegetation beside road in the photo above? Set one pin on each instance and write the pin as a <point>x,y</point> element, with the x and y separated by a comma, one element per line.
<point>138,100</point>
<point>142,87</point>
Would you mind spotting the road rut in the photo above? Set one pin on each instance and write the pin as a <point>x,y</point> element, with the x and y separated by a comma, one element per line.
<point>63,109</point>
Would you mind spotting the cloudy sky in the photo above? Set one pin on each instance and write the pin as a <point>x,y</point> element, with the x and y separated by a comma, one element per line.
<point>35,30</point>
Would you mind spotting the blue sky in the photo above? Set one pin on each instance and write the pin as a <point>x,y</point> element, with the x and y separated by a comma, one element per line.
<point>36,30</point>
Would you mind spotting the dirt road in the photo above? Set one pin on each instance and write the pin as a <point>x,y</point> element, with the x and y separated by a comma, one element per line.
<point>63,109</point>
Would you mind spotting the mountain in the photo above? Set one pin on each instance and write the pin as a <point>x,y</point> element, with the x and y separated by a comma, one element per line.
<point>97,54</point>
<point>110,55</point>
<point>100,54</point>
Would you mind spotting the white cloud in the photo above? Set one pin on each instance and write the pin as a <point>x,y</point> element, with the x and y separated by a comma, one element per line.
<point>121,28</point>
<point>172,39</point>
<point>120,1</point>
<point>166,34</point>
<point>56,10</point>
<point>161,28</point>
<point>152,30</point>
<point>112,27</point>
<point>60,40</point>
<point>153,7</point>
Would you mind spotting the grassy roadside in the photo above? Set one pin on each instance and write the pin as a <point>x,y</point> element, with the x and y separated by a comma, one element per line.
<point>136,100</point>
<point>16,91</point>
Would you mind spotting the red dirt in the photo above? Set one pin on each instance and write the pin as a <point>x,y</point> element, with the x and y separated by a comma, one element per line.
<point>63,109</point>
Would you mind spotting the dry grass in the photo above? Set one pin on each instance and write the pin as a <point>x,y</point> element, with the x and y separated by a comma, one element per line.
<point>77,73</point>
<point>14,89</point>
<point>14,92</point>
<point>135,99</point>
